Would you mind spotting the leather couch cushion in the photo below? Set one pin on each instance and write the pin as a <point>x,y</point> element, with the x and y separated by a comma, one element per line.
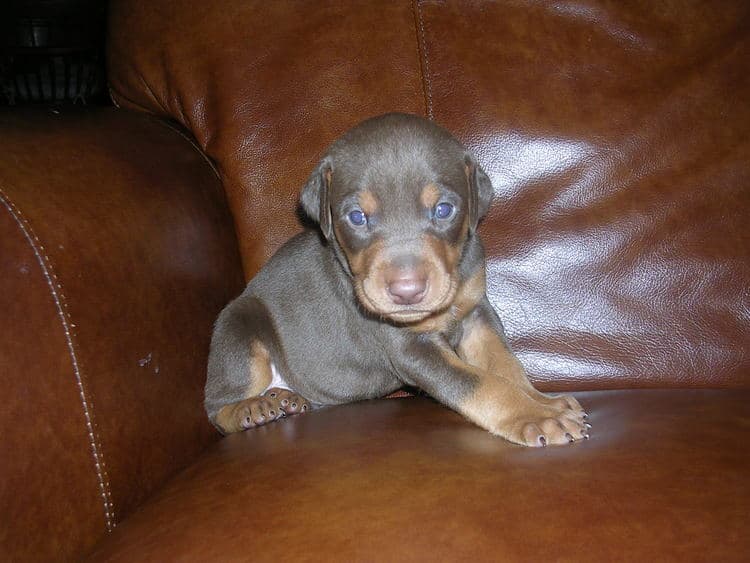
<point>663,477</point>
<point>264,87</point>
<point>615,135</point>
<point>116,255</point>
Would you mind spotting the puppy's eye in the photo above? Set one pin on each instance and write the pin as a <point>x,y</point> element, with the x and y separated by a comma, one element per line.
<point>443,210</point>
<point>357,217</point>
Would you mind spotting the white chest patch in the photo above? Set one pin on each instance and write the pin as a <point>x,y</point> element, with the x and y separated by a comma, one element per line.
<point>278,380</point>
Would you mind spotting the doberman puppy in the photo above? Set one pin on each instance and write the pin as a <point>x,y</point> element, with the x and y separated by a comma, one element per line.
<point>390,292</point>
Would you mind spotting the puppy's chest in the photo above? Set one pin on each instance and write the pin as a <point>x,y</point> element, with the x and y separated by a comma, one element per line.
<point>348,343</point>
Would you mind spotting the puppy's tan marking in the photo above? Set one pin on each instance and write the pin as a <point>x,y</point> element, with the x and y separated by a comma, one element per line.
<point>368,265</point>
<point>483,348</point>
<point>361,263</point>
<point>225,419</point>
<point>367,202</point>
<point>471,293</point>
<point>441,251</point>
<point>260,369</point>
<point>429,196</point>
<point>501,406</point>
<point>260,376</point>
<point>468,295</point>
<point>443,254</point>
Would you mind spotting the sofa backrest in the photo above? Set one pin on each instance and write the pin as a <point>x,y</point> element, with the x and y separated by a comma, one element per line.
<point>615,135</point>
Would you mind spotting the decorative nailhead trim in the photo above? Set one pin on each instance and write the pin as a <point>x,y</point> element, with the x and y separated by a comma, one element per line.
<point>68,327</point>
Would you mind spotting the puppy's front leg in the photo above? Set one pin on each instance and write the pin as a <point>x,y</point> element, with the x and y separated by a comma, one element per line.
<point>490,400</point>
<point>483,345</point>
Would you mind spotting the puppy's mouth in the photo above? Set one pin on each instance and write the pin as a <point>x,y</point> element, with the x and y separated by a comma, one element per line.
<point>375,300</point>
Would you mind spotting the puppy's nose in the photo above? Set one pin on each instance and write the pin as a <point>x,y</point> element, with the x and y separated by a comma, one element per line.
<point>407,289</point>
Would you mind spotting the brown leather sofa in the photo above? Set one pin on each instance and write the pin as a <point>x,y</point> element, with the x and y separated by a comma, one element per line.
<point>617,136</point>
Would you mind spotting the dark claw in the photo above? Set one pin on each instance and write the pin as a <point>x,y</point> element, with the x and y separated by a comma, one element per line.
<point>570,438</point>
<point>543,441</point>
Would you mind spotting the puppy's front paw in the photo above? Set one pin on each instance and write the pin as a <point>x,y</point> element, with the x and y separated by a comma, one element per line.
<point>257,411</point>
<point>289,402</point>
<point>563,402</point>
<point>543,425</point>
<point>252,412</point>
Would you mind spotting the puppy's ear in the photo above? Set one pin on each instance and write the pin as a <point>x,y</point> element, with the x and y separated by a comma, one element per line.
<point>314,197</point>
<point>480,191</point>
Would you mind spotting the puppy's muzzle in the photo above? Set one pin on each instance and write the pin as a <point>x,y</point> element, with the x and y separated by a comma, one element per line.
<point>406,287</point>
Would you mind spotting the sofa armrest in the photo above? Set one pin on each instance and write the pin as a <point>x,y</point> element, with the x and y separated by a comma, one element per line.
<point>116,254</point>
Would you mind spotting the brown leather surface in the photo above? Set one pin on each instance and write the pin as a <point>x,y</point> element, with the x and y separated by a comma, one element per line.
<point>663,478</point>
<point>615,135</point>
<point>264,87</point>
<point>48,486</point>
<point>619,256</point>
<point>117,252</point>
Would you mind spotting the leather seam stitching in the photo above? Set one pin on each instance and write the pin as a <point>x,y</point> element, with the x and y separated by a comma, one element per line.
<point>164,119</point>
<point>193,143</point>
<point>424,57</point>
<point>61,306</point>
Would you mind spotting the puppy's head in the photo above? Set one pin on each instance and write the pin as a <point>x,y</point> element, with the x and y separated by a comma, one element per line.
<point>398,197</point>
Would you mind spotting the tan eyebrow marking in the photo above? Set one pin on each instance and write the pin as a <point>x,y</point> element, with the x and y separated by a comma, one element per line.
<point>367,202</point>
<point>429,196</point>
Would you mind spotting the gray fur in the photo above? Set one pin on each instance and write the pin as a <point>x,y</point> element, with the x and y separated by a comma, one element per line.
<point>302,305</point>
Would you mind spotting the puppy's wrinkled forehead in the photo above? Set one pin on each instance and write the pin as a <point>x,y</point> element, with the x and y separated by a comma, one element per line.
<point>393,163</point>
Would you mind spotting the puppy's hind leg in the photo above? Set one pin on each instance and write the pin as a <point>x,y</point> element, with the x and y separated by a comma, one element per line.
<point>255,409</point>
<point>240,370</point>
